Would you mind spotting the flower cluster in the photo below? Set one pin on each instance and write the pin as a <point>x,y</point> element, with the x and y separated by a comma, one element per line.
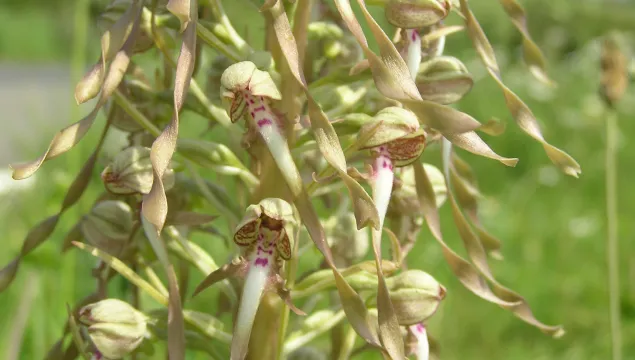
<point>325,118</point>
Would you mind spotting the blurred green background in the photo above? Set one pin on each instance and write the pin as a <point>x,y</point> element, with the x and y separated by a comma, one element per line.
<point>552,226</point>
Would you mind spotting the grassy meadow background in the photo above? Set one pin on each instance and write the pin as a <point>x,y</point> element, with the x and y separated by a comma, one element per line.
<point>552,226</point>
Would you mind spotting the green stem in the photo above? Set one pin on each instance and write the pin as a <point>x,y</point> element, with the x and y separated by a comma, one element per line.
<point>612,234</point>
<point>347,344</point>
<point>221,16</point>
<point>292,267</point>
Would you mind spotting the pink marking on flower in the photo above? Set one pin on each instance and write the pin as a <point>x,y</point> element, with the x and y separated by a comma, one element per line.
<point>420,328</point>
<point>390,167</point>
<point>385,164</point>
<point>251,101</point>
<point>259,108</point>
<point>263,122</point>
<point>414,35</point>
<point>262,262</point>
<point>253,114</point>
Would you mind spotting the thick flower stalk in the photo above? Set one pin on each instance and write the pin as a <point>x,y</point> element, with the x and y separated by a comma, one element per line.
<point>266,236</point>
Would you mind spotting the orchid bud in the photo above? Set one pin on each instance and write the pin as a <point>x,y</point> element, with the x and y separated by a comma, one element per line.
<point>443,79</point>
<point>115,328</point>
<point>348,244</point>
<point>241,83</point>
<point>404,198</point>
<point>108,225</point>
<point>130,172</point>
<point>415,295</point>
<point>414,14</point>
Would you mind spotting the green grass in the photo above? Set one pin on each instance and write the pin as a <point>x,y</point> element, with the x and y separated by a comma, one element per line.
<point>552,226</point>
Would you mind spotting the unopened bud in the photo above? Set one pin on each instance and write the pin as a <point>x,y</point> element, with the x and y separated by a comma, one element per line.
<point>130,172</point>
<point>348,244</point>
<point>108,225</point>
<point>404,199</point>
<point>415,14</point>
<point>443,79</point>
<point>415,295</point>
<point>115,327</point>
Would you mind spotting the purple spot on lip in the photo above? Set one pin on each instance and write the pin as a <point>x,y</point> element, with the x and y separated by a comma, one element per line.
<point>414,35</point>
<point>385,165</point>
<point>252,114</point>
<point>251,101</point>
<point>264,122</point>
<point>260,108</point>
<point>262,262</point>
<point>420,328</point>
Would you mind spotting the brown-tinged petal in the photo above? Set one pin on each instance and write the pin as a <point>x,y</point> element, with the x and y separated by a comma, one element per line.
<point>519,110</point>
<point>462,269</point>
<point>407,149</point>
<point>471,142</point>
<point>531,52</point>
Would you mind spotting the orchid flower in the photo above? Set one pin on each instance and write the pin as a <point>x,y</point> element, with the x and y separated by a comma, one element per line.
<point>266,236</point>
<point>396,141</point>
